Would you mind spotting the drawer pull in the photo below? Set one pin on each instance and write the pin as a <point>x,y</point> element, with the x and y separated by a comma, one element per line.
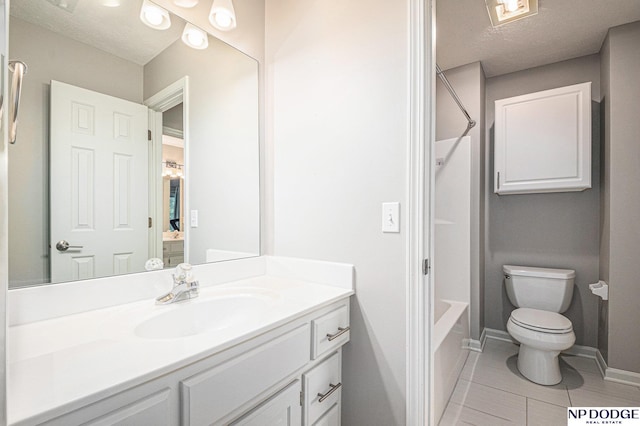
<point>340,332</point>
<point>331,391</point>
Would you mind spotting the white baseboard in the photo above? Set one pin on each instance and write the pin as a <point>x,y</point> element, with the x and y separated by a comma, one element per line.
<point>602,364</point>
<point>492,333</point>
<point>608,373</point>
<point>478,345</point>
<point>583,351</point>
<point>622,376</point>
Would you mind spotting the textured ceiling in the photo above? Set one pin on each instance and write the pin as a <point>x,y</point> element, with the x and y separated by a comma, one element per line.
<point>562,29</point>
<point>117,30</point>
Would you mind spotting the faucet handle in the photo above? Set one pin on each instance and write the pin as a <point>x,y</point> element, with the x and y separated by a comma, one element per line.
<point>182,272</point>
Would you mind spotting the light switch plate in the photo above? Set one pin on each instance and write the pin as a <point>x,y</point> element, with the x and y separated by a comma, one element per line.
<point>194,218</point>
<point>391,217</point>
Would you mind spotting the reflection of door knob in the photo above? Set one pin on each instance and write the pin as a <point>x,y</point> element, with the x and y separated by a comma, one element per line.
<point>63,245</point>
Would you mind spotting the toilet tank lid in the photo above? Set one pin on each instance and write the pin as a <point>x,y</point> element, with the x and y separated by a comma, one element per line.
<point>530,271</point>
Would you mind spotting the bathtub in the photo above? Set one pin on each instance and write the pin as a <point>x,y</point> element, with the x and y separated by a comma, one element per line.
<point>450,343</point>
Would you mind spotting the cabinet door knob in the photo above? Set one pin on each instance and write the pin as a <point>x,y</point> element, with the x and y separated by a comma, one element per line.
<point>332,389</point>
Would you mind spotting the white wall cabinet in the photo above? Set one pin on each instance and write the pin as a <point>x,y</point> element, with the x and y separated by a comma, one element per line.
<point>543,141</point>
<point>270,379</point>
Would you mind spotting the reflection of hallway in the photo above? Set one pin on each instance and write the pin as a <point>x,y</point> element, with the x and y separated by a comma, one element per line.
<point>490,391</point>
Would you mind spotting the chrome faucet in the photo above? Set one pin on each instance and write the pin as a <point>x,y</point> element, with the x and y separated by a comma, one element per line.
<point>184,286</point>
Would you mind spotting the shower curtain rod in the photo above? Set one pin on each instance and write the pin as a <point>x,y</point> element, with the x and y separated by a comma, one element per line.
<point>454,95</point>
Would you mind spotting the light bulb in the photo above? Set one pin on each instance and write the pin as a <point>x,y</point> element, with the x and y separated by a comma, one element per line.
<point>222,15</point>
<point>511,5</point>
<point>223,19</point>
<point>194,37</point>
<point>153,15</point>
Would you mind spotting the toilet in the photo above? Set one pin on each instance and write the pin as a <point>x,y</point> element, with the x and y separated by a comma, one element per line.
<point>541,295</point>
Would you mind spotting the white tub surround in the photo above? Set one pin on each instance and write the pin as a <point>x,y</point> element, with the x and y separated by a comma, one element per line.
<point>66,358</point>
<point>450,351</point>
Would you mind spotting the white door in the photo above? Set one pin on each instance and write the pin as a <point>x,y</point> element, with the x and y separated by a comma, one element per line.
<point>99,190</point>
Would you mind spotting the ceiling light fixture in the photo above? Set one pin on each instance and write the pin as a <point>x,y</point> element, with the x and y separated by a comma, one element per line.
<point>504,11</point>
<point>154,16</point>
<point>194,37</point>
<point>185,3</point>
<point>222,15</point>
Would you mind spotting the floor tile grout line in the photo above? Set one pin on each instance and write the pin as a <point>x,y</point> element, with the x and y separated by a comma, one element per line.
<point>517,394</point>
<point>484,412</point>
<point>550,403</point>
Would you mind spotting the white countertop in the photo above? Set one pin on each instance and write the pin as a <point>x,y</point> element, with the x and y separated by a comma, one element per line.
<point>60,361</point>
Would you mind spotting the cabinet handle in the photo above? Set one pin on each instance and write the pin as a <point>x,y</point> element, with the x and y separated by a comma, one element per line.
<point>498,181</point>
<point>331,391</point>
<point>340,332</point>
<point>19,69</point>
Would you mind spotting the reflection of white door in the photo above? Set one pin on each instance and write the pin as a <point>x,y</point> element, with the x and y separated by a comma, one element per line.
<point>99,191</point>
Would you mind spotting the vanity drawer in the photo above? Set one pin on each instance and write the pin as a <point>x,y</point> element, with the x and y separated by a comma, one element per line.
<point>211,395</point>
<point>322,388</point>
<point>330,331</point>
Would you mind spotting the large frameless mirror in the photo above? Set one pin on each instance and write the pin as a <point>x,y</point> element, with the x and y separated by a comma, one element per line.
<point>138,139</point>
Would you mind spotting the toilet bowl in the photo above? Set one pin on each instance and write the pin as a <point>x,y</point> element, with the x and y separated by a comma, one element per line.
<point>542,336</point>
<point>541,295</point>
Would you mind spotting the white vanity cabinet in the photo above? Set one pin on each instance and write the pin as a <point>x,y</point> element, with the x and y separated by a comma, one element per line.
<point>288,375</point>
<point>543,141</point>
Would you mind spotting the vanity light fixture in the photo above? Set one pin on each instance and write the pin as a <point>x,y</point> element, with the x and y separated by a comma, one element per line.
<point>154,16</point>
<point>185,3</point>
<point>194,37</point>
<point>222,15</point>
<point>504,11</point>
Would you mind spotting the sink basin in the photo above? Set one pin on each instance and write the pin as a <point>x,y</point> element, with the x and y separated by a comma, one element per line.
<point>201,316</point>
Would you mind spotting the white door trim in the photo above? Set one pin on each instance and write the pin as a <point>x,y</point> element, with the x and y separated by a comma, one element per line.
<point>419,233</point>
<point>162,101</point>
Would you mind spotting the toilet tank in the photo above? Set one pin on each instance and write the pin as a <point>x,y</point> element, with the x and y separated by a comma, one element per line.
<point>539,288</point>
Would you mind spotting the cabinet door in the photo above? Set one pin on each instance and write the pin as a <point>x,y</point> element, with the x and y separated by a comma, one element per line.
<point>331,417</point>
<point>283,409</point>
<point>543,141</point>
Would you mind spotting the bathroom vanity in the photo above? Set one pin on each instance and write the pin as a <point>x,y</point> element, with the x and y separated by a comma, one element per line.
<point>254,350</point>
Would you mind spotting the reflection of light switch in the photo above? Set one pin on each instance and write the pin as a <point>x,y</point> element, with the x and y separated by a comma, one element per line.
<point>194,218</point>
<point>391,217</point>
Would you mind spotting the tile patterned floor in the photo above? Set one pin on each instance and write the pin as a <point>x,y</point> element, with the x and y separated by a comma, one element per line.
<point>491,391</point>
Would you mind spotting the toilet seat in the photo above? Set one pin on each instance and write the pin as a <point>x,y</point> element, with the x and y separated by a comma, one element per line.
<point>541,321</point>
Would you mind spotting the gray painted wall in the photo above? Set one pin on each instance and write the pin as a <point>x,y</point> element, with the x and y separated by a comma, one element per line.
<point>559,230</point>
<point>469,83</point>
<point>337,125</point>
<point>621,61</point>
<point>49,56</point>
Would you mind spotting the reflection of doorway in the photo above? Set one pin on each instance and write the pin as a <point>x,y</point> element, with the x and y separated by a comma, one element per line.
<point>98,195</point>
<point>172,187</point>
<point>168,121</point>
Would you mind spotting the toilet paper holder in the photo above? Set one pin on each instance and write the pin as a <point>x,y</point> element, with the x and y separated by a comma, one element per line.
<point>600,289</point>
